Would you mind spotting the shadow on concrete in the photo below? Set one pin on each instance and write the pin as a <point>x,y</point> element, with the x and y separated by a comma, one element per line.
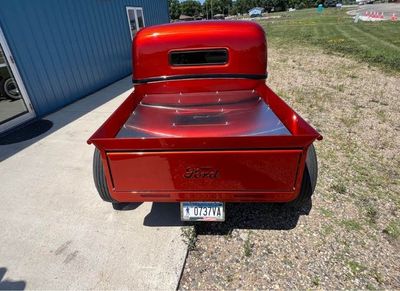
<point>164,214</point>
<point>10,285</point>
<point>16,140</point>
<point>237,216</point>
<point>30,131</point>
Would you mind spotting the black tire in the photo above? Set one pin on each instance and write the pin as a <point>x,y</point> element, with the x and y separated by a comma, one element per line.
<point>2,94</point>
<point>309,181</point>
<point>101,185</point>
<point>99,178</point>
<point>11,95</point>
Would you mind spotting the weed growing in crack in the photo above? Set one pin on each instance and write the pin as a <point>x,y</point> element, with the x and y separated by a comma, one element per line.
<point>247,247</point>
<point>189,237</point>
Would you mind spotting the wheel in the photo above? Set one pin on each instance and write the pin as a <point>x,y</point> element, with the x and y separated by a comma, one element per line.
<point>2,94</point>
<point>101,185</point>
<point>11,89</point>
<point>309,181</point>
<point>100,179</point>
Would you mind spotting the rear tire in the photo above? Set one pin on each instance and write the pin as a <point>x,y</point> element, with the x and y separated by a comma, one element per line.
<point>100,179</point>
<point>11,89</point>
<point>101,185</point>
<point>309,181</point>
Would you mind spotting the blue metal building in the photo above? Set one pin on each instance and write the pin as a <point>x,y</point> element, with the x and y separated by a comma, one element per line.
<point>54,52</point>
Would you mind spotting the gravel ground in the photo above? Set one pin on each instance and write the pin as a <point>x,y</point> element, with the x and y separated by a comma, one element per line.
<point>350,236</point>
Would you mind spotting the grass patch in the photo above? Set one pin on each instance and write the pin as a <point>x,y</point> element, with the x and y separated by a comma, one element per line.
<point>326,212</point>
<point>349,121</point>
<point>327,229</point>
<point>355,267</point>
<point>377,276</point>
<point>351,224</point>
<point>367,205</point>
<point>288,262</point>
<point>393,229</point>
<point>247,247</point>
<point>334,31</point>
<point>229,278</point>
<point>339,188</point>
<point>340,87</point>
<point>371,213</point>
<point>316,281</point>
<point>381,115</point>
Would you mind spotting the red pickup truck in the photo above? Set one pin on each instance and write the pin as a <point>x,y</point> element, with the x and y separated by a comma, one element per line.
<point>202,127</point>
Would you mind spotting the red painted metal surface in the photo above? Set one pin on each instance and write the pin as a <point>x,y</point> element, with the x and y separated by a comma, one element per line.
<point>245,42</point>
<point>219,159</point>
<point>266,170</point>
<point>200,114</point>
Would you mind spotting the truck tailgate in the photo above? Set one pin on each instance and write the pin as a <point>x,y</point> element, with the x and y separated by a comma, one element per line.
<point>218,170</point>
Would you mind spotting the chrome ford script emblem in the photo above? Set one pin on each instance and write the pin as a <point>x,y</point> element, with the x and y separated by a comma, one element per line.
<point>199,173</point>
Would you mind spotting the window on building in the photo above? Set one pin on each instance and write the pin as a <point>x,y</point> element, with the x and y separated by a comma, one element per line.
<point>2,59</point>
<point>135,19</point>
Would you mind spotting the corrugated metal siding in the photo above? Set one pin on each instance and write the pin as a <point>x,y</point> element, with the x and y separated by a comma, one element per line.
<point>66,50</point>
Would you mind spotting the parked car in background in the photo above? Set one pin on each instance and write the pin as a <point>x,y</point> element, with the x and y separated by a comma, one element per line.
<point>330,3</point>
<point>8,86</point>
<point>219,17</point>
<point>256,12</point>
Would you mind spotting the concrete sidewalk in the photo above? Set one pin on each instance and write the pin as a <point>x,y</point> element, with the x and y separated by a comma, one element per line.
<point>56,233</point>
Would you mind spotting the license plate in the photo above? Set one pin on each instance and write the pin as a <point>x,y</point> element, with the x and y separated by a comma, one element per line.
<point>202,211</point>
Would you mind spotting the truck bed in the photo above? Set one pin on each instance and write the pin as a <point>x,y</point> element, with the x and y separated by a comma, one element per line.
<point>232,145</point>
<point>202,114</point>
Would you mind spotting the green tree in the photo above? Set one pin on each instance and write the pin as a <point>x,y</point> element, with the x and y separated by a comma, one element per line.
<point>217,7</point>
<point>191,8</point>
<point>299,4</point>
<point>233,10</point>
<point>174,9</point>
<point>243,6</point>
